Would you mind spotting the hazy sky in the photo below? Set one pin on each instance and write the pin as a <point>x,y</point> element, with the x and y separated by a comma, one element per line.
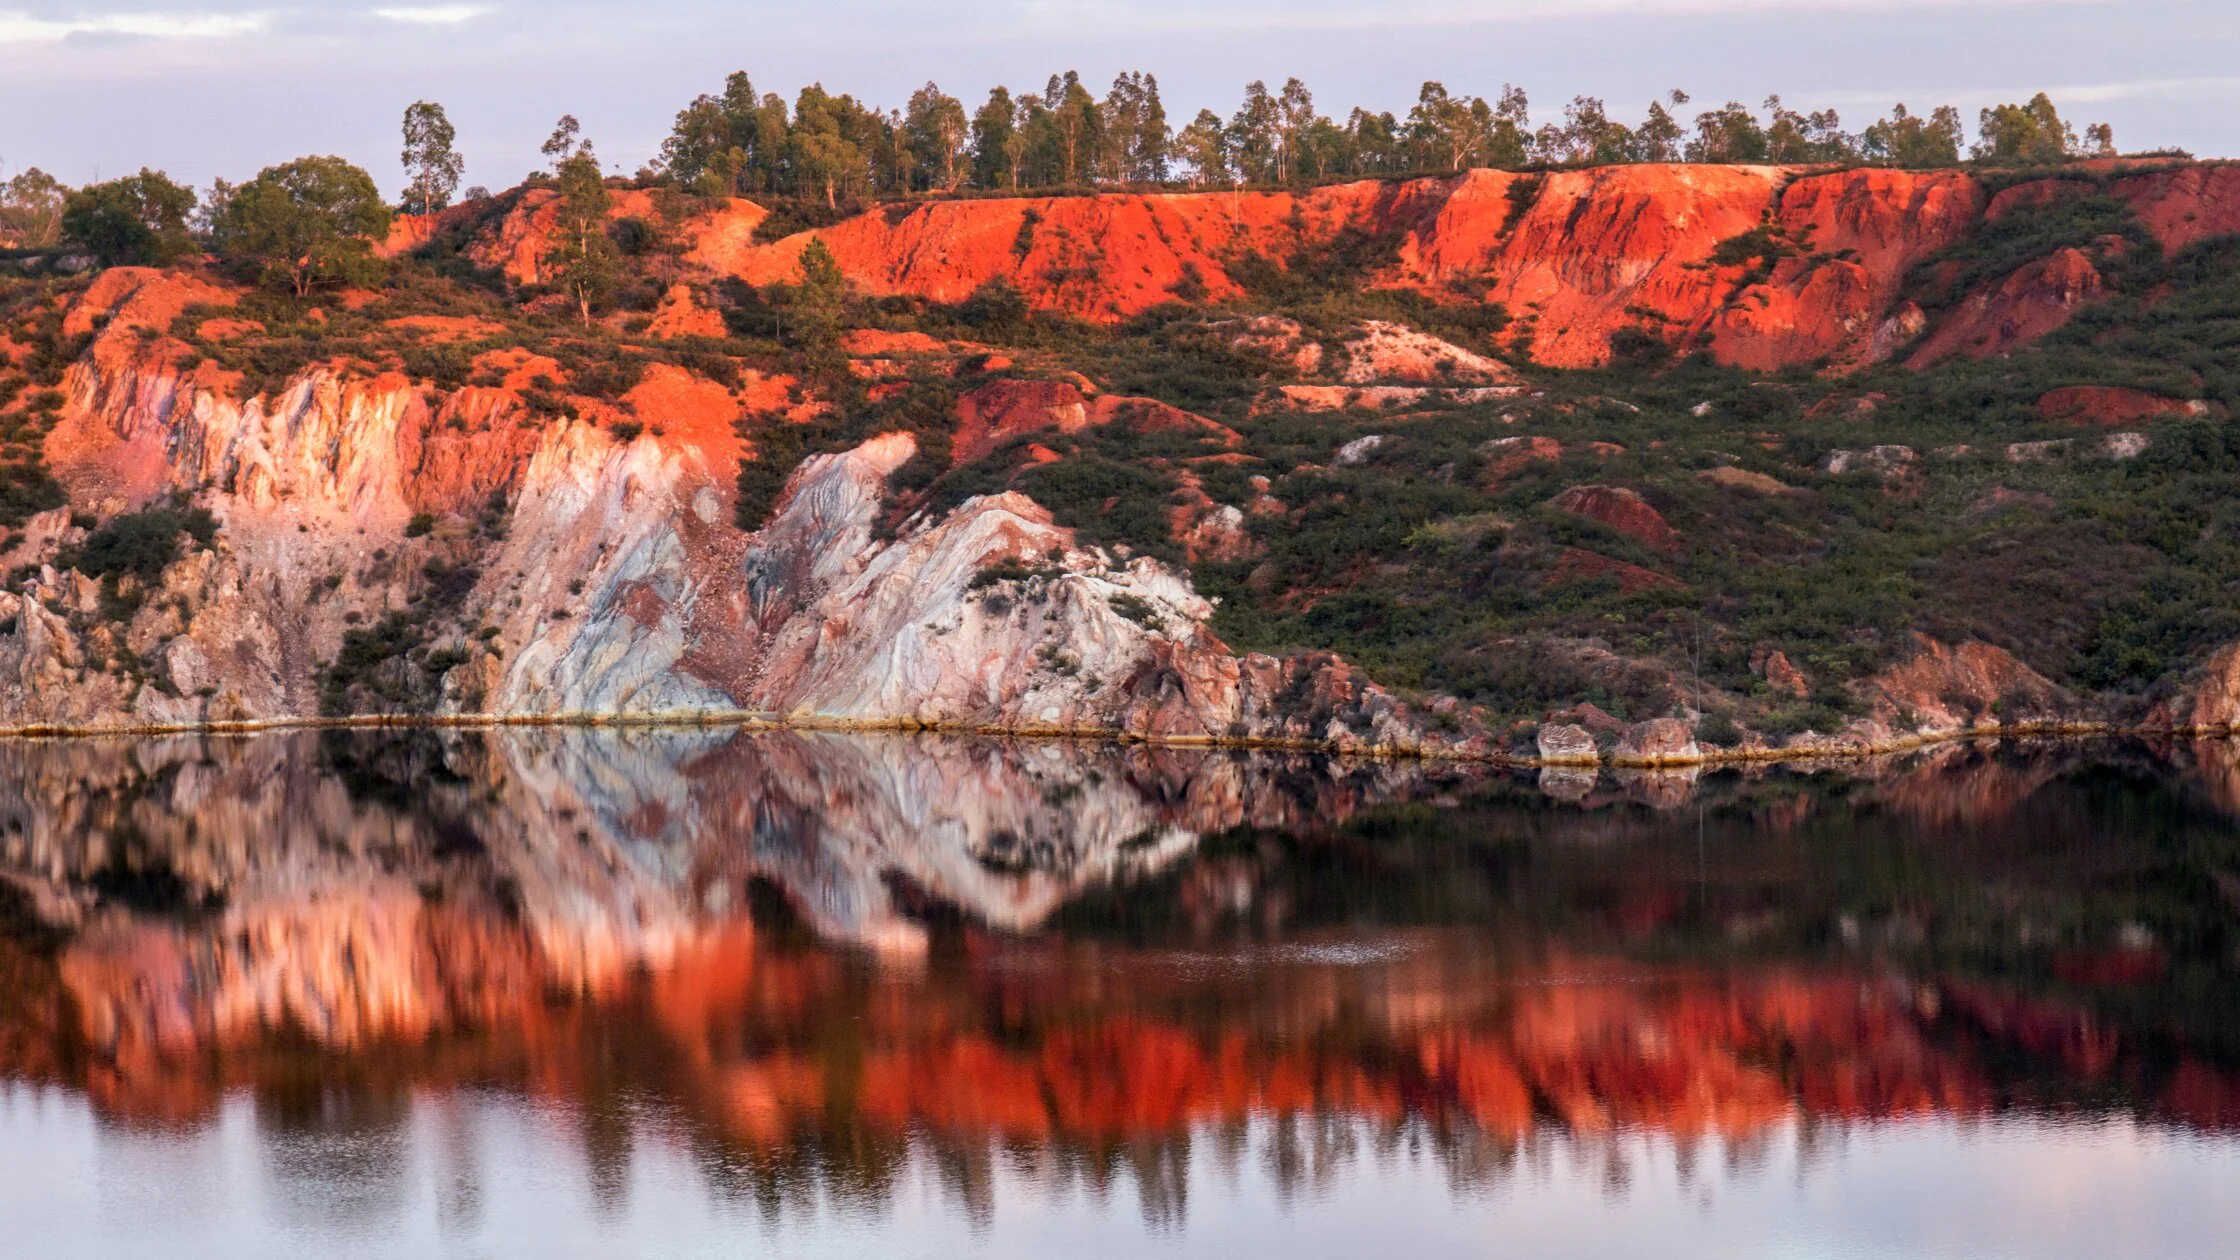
<point>205,88</point>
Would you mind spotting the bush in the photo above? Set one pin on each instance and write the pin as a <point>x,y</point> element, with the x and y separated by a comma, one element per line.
<point>139,544</point>
<point>130,553</point>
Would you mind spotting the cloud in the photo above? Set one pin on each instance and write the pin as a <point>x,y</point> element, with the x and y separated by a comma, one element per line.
<point>2137,88</point>
<point>17,27</point>
<point>434,14</point>
<point>1348,15</point>
<point>2062,94</point>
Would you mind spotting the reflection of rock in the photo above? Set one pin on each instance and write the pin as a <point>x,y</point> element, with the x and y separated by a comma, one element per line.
<point>1567,783</point>
<point>1658,789</point>
<point>512,908</point>
<point>362,886</point>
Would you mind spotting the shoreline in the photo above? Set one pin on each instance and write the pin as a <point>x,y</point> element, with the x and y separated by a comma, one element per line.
<point>750,720</point>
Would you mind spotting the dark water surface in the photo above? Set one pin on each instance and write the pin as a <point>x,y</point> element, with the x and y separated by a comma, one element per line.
<point>576,993</point>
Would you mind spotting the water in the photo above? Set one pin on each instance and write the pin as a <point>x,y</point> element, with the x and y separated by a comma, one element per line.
<point>693,993</point>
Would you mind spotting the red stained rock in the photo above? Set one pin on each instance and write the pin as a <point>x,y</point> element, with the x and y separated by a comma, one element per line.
<point>1512,455</point>
<point>1590,250</point>
<point>1658,741</point>
<point>2110,406</point>
<point>682,315</point>
<point>2185,205</point>
<point>2027,305</point>
<point>1622,510</point>
<point>1783,676</point>
<point>1943,688</point>
<point>1001,410</point>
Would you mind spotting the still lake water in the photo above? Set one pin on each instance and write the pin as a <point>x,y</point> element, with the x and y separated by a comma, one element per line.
<point>697,993</point>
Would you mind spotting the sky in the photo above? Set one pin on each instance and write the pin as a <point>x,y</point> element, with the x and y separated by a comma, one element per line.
<point>220,88</point>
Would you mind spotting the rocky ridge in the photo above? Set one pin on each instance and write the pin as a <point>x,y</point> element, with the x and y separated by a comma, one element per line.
<point>1769,267</point>
<point>592,567</point>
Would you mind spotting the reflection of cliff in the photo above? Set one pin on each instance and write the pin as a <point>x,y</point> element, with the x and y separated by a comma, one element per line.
<point>358,887</point>
<point>796,1067</point>
<point>578,914</point>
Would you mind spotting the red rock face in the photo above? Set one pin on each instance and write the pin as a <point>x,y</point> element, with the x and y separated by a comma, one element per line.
<point>1878,225</point>
<point>1583,254</point>
<point>2210,701</point>
<point>2185,205</point>
<point>1622,510</point>
<point>999,411</point>
<point>2027,305</point>
<point>524,236</point>
<point>2108,406</point>
<point>1101,258</point>
<point>1949,688</point>
<point>1577,256</point>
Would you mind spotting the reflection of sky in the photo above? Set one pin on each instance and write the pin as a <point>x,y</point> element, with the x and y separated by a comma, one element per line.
<point>488,1175</point>
<point>219,87</point>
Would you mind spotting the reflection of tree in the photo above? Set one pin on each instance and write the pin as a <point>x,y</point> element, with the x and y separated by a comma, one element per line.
<point>631,936</point>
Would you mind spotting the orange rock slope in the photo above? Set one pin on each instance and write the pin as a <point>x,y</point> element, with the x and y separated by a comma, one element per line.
<point>1576,255</point>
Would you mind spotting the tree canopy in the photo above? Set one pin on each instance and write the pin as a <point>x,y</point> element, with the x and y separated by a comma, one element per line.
<point>581,261</point>
<point>137,219</point>
<point>303,224</point>
<point>832,148</point>
<point>432,166</point>
<point>2034,133</point>
<point>31,209</point>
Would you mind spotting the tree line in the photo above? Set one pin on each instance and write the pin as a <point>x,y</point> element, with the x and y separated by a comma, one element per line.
<point>829,148</point>
<point>313,221</point>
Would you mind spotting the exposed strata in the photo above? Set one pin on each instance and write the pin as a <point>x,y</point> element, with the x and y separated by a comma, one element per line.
<point>1577,256</point>
<point>615,583</point>
<point>620,588</point>
<point>620,585</point>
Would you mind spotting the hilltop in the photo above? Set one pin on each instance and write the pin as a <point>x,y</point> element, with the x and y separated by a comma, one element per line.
<point>1659,457</point>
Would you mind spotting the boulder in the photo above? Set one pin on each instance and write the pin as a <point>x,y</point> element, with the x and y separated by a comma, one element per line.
<point>1782,676</point>
<point>1563,744</point>
<point>1622,510</point>
<point>1659,741</point>
<point>2109,406</point>
<point>1884,461</point>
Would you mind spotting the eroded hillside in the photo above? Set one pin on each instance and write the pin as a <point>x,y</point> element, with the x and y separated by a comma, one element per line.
<point>1644,460</point>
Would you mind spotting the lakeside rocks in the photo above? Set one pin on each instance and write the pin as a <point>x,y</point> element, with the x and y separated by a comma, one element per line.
<point>1659,742</point>
<point>1564,744</point>
<point>619,584</point>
